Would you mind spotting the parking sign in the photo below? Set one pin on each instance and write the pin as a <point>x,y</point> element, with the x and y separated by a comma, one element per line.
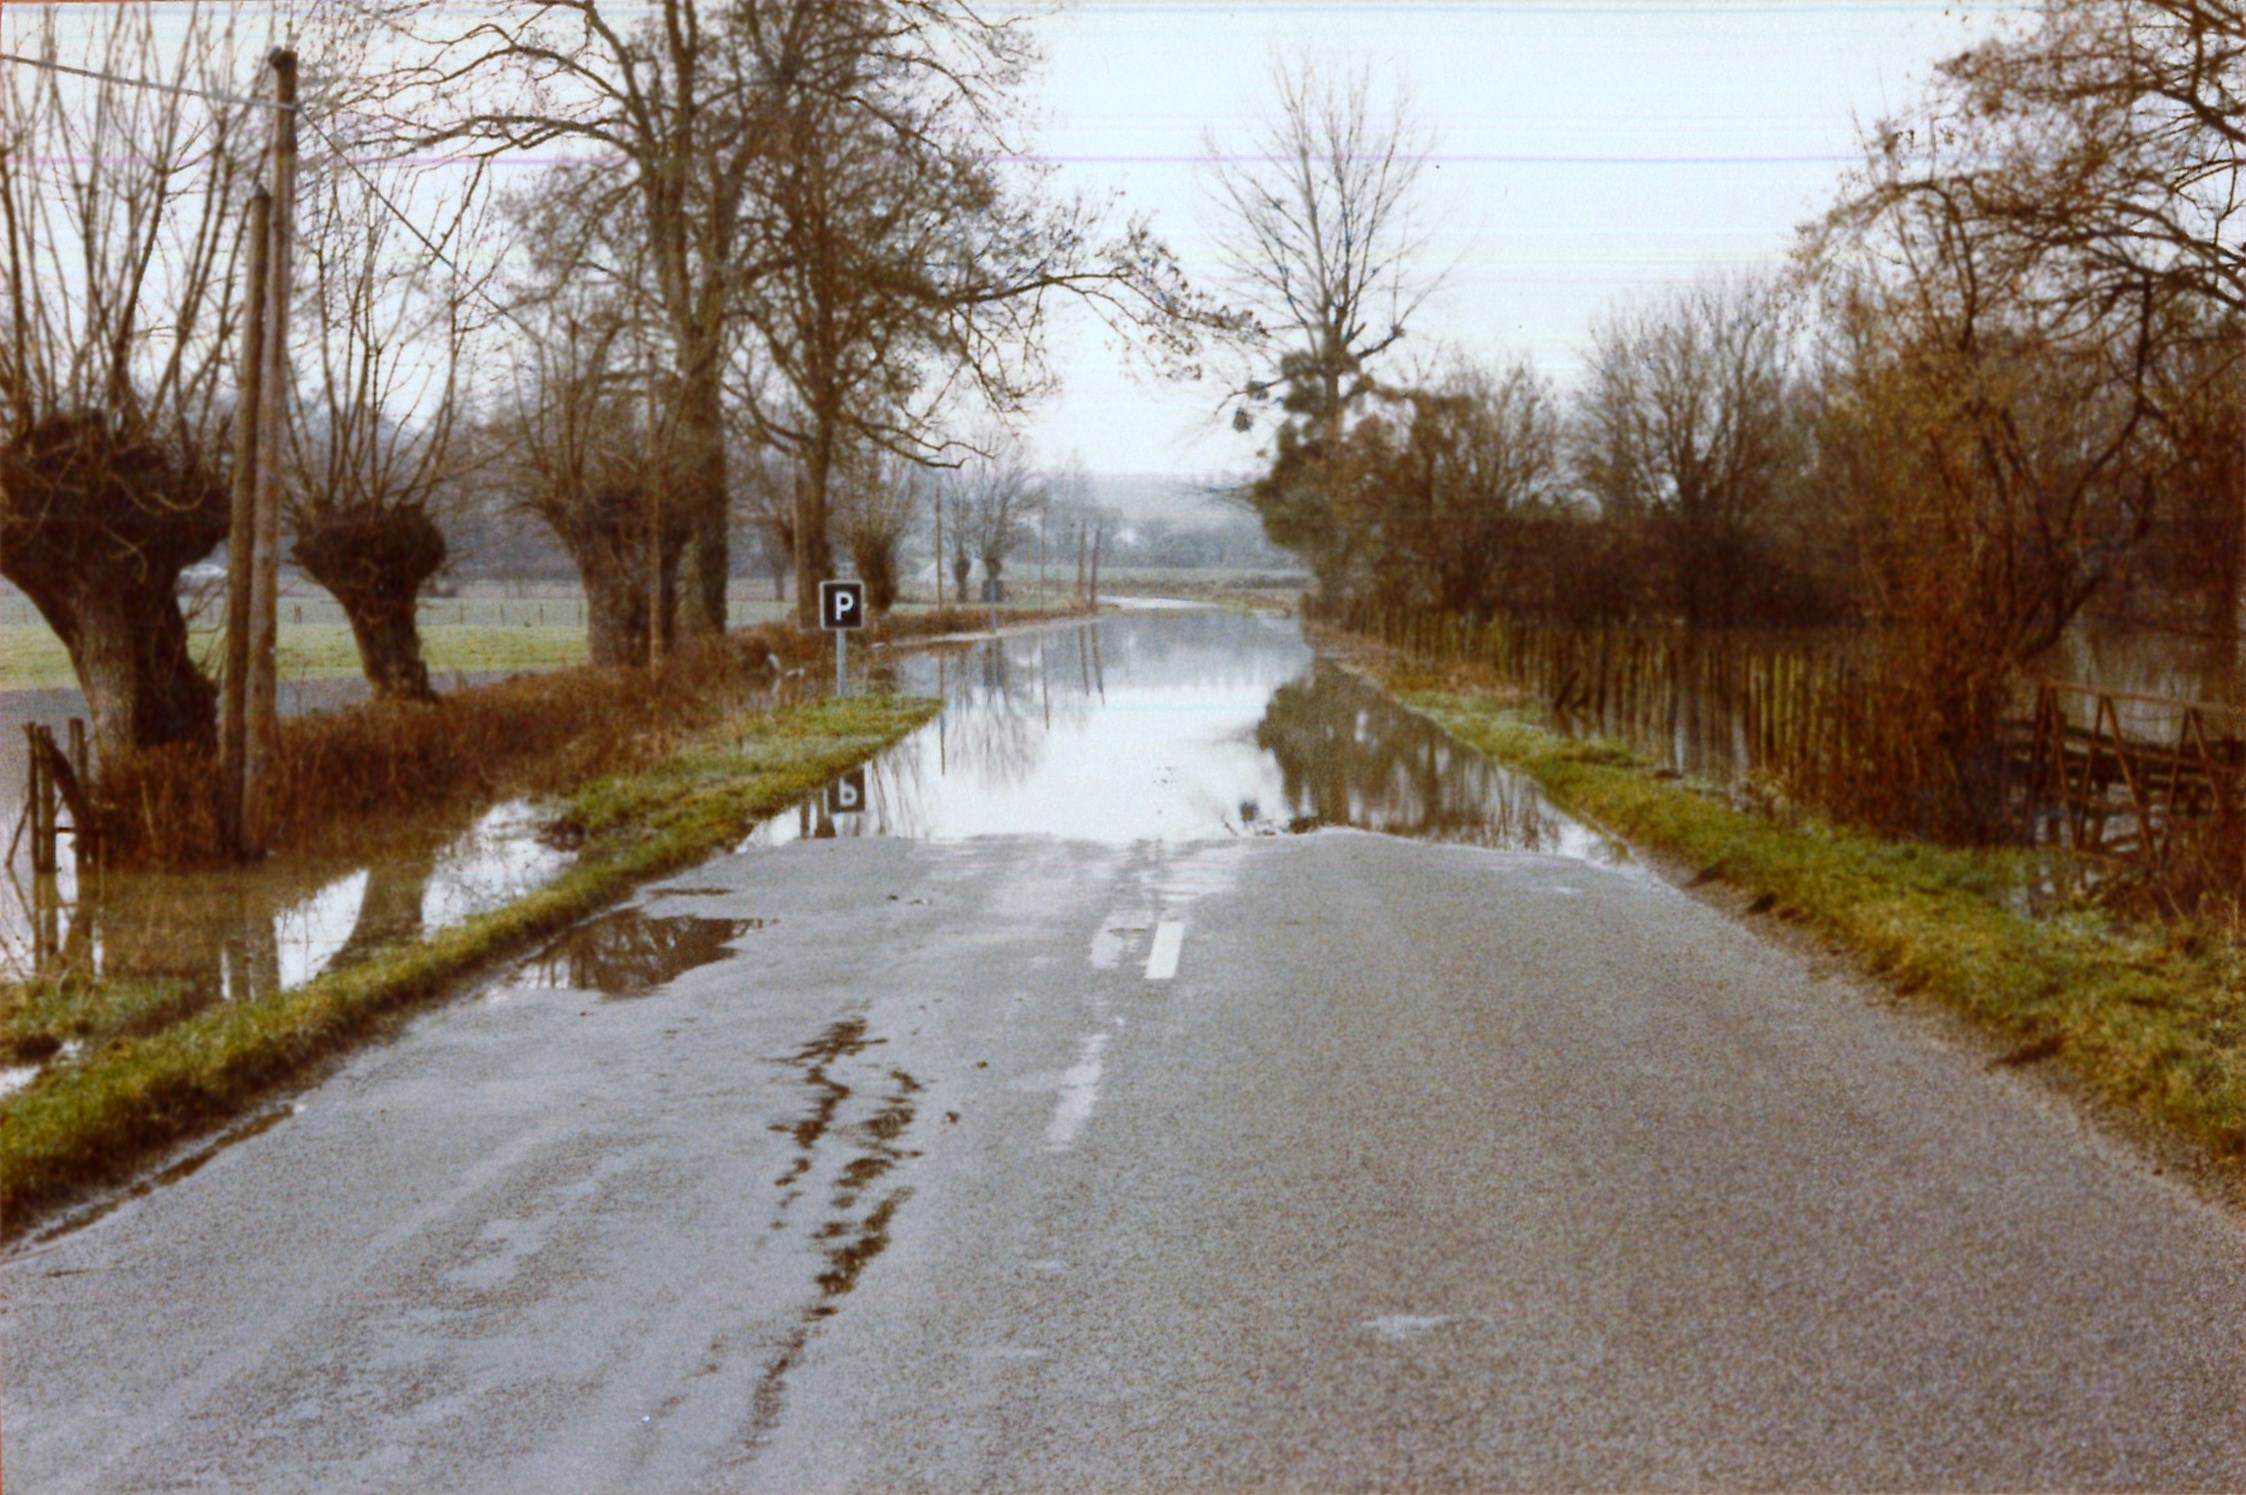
<point>842,604</point>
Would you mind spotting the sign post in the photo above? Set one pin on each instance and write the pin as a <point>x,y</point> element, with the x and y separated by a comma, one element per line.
<point>842,609</point>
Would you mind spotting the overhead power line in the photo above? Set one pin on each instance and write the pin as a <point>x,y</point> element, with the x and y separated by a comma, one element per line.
<point>414,228</point>
<point>173,88</point>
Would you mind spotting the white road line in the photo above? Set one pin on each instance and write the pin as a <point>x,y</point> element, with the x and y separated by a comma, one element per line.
<point>1162,960</point>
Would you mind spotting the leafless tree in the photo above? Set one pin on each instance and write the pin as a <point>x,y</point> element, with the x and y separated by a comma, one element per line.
<point>881,499</point>
<point>1479,459</point>
<point>1998,456</point>
<point>908,260</point>
<point>119,217</point>
<point>993,500</point>
<point>1685,423</point>
<point>655,94</point>
<point>2096,147</point>
<point>584,460</point>
<point>372,454</point>
<point>1317,219</point>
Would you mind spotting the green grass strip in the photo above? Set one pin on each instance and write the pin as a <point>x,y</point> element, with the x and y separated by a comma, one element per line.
<point>2152,1017</point>
<point>93,1121</point>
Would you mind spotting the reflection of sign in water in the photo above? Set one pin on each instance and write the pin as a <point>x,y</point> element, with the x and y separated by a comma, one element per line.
<point>847,795</point>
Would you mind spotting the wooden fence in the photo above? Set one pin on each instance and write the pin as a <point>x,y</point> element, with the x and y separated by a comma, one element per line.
<point>2102,788</point>
<point>2109,773</point>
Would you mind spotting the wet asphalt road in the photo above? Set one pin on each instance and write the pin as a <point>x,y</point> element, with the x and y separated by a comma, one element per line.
<point>884,1162</point>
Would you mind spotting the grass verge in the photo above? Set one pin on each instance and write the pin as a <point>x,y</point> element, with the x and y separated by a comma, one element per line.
<point>138,1089</point>
<point>2151,1018</point>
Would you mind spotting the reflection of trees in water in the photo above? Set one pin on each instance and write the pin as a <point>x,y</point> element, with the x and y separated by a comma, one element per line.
<point>1349,756</point>
<point>390,910</point>
<point>238,934</point>
<point>628,953</point>
<point>996,714</point>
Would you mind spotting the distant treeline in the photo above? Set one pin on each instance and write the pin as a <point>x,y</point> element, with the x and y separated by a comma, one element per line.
<point>1782,451</point>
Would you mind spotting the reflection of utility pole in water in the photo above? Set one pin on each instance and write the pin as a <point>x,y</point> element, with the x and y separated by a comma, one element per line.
<point>1084,659</point>
<point>1099,675</point>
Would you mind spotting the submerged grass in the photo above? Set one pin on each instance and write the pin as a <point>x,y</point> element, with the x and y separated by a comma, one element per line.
<point>2151,1017</point>
<point>146,1081</point>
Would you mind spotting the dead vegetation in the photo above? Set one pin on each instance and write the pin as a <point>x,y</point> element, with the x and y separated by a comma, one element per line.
<point>336,775</point>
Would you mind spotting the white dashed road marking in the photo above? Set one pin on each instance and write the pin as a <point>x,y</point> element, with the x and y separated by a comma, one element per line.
<point>1162,960</point>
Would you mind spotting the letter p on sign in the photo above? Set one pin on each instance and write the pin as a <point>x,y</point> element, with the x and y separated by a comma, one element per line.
<point>842,604</point>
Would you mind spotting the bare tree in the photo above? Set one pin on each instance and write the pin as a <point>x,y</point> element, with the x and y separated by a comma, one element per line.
<point>1479,461</point>
<point>371,451</point>
<point>584,460</point>
<point>1998,457</point>
<point>659,92</point>
<point>1318,220</point>
<point>880,501</point>
<point>908,259</point>
<point>993,501</point>
<point>2099,148</point>
<point>1685,423</point>
<point>119,228</point>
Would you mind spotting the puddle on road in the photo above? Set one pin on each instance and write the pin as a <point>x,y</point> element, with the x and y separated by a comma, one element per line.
<point>1177,728</point>
<point>846,1240</point>
<point>630,952</point>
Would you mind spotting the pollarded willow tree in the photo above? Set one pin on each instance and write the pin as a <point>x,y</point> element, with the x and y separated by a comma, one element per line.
<point>381,327</point>
<point>652,93</point>
<point>581,454</point>
<point>119,238</point>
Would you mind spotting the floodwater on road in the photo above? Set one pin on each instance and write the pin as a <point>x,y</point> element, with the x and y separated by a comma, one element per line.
<point>1159,725</point>
<point>1034,1108</point>
<point>1177,728</point>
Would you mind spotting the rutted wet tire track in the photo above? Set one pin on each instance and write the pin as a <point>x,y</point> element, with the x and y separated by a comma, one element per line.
<point>851,1240</point>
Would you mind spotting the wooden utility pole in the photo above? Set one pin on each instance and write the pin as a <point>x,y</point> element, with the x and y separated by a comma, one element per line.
<point>939,551</point>
<point>241,538</point>
<point>1079,563</point>
<point>655,529</point>
<point>272,439</point>
<point>1099,533</point>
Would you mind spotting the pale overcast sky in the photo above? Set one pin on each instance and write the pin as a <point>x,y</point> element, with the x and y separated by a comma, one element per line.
<point>1583,151</point>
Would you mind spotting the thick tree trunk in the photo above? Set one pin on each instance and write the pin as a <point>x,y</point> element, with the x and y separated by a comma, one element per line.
<point>814,555</point>
<point>128,644</point>
<point>615,616</point>
<point>877,568</point>
<point>96,531</point>
<point>703,433</point>
<point>376,565</point>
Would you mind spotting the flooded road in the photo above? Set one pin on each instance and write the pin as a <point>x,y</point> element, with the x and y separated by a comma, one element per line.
<point>1174,1067</point>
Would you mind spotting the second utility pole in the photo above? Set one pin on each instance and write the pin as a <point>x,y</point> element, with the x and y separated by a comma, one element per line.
<point>272,438</point>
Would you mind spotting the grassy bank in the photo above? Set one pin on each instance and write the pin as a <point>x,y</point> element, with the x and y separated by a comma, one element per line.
<point>144,1081</point>
<point>2150,1018</point>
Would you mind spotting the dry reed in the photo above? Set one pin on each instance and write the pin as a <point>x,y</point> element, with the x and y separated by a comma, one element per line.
<point>339,775</point>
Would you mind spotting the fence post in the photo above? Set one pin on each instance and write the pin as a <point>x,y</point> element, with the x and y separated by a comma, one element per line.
<point>43,818</point>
